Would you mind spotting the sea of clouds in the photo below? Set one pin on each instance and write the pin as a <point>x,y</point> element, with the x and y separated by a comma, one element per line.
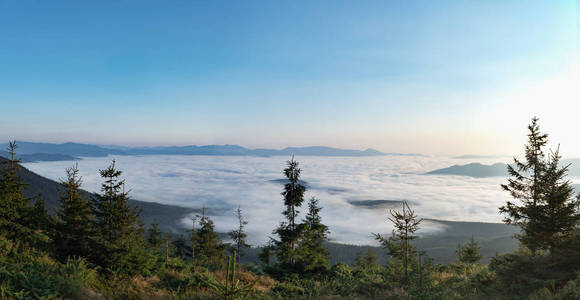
<point>224,182</point>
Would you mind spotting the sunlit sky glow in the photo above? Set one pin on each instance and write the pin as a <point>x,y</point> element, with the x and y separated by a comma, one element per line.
<point>432,77</point>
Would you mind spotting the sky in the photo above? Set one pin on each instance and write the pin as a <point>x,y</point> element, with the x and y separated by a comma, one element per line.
<point>433,77</point>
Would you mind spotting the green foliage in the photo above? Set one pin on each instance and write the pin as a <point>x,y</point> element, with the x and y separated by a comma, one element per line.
<point>547,211</point>
<point>287,231</point>
<point>231,288</point>
<point>155,237</point>
<point>74,221</point>
<point>312,256</point>
<point>209,250</point>
<point>238,235</point>
<point>13,204</point>
<point>405,224</point>
<point>119,239</point>
<point>29,274</point>
<point>468,253</point>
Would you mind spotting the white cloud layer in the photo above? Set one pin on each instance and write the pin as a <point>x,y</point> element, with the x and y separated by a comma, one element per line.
<point>226,182</point>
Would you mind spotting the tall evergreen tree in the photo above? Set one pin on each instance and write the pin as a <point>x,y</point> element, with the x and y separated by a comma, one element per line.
<point>405,223</point>
<point>209,248</point>
<point>13,203</point>
<point>311,253</point>
<point>546,210</point>
<point>287,231</point>
<point>193,237</point>
<point>558,214</point>
<point>239,235</point>
<point>38,217</point>
<point>119,233</point>
<point>469,253</point>
<point>74,221</point>
<point>155,238</point>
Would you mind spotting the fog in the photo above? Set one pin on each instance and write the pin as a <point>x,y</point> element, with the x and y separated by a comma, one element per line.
<point>223,182</point>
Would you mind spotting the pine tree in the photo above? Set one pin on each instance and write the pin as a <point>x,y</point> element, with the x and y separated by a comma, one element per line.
<point>469,253</point>
<point>119,233</point>
<point>405,225</point>
<point>239,235</point>
<point>287,231</point>
<point>547,210</point>
<point>74,221</point>
<point>312,256</point>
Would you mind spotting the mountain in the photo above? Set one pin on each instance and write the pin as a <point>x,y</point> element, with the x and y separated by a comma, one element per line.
<point>70,149</point>
<point>167,216</point>
<point>88,150</point>
<point>497,170</point>
<point>472,156</point>
<point>35,157</point>
<point>474,170</point>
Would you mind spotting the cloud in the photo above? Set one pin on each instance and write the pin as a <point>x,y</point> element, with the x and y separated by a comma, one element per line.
<point>223,183</point>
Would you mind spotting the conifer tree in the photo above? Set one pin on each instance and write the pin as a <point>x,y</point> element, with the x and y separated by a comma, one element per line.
<point>239,235</point>
<point>311,253</point>
<point>209,248</point>
<point>558,214</point>
<point>193,237</point>
<point>177,246</point>
<point>547,210</point>
<point>469,253</point>
<point>287,231</point>
<point>525,185</point>
<point>13,203</point>
<point>38,217</point>
<point>119,233</point>
<point>367,260</point>
<point>405,223</point>
<point>74,221</point>
<point>155,236</point>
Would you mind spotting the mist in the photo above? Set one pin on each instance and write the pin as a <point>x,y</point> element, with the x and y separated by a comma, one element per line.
<point>221,183</point>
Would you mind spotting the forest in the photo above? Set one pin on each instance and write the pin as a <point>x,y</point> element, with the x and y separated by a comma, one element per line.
<point>96,246</point>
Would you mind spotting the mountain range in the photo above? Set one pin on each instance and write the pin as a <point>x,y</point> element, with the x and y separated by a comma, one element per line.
<point>71,151</point>
<point>479,170</point>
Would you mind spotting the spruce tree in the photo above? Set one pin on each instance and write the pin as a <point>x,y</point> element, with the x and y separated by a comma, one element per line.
<point>312,256</point>
<point>155,236</point>
<point>209,248</point>
<point>74,221</point>
<point>558,214</point>
<point>287,231</point>
<point>405,223</point>
<point>38,217</point>
<point>239,235</point>
<point>546,210</point>
<point>469,253</point>
<point>13,203</point>
<point>119,233</point>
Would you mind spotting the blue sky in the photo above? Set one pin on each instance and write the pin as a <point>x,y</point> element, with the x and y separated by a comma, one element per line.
<point>415,76</point>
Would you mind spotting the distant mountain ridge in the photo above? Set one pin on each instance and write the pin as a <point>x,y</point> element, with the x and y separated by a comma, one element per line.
<point>473,170</point>
<point>479,170</point>
<point>87,150</point>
